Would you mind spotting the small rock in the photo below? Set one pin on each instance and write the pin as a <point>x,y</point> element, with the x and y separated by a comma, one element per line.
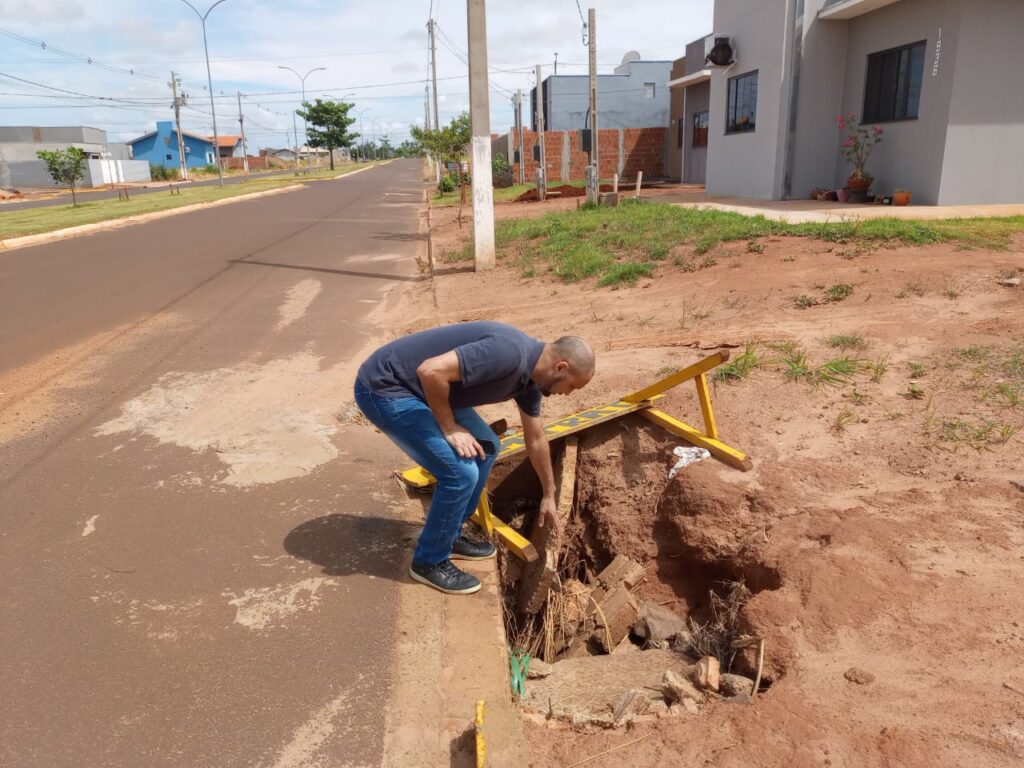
<point>706,674</point>
<point>1018,484</point>
<point>859,676</point>
<point>656,623</point>
<point>632,702</point>
<point>678,688</point>
<point>538,669</point>
<point>657,707</point>
<point>732,685</point>
<point>1009,282</point>
<point>681,641</point>
<point>691,706</point>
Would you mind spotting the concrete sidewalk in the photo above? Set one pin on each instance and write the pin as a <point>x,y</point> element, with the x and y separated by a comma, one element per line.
<point>804,211</point>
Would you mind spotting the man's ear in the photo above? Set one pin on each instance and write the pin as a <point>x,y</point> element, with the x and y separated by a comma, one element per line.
<point>561,366</point>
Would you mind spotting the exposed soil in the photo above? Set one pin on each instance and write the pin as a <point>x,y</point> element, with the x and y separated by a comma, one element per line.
<point>881,527</point>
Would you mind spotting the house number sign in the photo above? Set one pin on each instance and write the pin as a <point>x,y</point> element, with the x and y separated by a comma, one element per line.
<point>938,51</point>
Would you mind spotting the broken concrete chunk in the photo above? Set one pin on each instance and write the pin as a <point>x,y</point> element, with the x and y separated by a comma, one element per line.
<point>538,670</point>
<point>633,702</point>
<point>621,570</point>
<point>617,614</point>
<point>1009,282</point>
<point>681,641</point>
<point>678,688</point>
<point>657,707</point>
<point>706,674</point>
<point>732,685</point>
<point>657,623</point>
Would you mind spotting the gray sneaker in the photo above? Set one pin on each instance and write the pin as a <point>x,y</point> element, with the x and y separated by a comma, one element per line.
<point>466,549</point>
<point>445,577</point>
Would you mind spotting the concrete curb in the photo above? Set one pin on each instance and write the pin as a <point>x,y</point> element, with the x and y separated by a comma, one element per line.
<point>103,226</point>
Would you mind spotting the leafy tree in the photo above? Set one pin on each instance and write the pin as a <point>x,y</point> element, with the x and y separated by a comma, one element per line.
<point>385,148</point>
<point>328,125</point>
<point>409,148</point>
<point>447,144</point>
<point>65,166</point>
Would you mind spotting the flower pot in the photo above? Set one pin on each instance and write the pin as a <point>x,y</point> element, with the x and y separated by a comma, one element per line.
<point>900,198</point>
<point>858,183</point>
<point>858,196</point>
<point>843,195</point>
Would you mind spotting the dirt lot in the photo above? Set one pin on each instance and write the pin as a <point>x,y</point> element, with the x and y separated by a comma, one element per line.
<point>882,527</point>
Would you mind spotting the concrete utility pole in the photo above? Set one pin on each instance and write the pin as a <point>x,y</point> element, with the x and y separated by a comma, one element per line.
<point>433,71</point>
<point>241,124</point>
<point>295,135</point>
<point>519,136</point>
<point>426,107</point>
<point>179,102</point>
<point>594,178</point>
<point>480,121</point>
<point>542,182</point>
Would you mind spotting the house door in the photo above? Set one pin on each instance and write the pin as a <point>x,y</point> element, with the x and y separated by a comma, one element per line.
<point>695,168</point>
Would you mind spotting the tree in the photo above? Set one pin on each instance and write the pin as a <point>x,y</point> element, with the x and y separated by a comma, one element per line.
<point>447,144</point>
<point>328,125</point>
<point>385,148</point>
<point>409,148</point>
<point>65,166</point>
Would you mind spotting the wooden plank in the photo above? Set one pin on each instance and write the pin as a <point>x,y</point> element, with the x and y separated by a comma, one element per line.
<point>510,537</point>
<point>704,396</point>
<point>540,575</point>
<point>419,478</point>
<point>720,450</point>
<point>677,378</point>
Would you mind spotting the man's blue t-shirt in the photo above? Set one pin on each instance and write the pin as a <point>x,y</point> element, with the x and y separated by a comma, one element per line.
<point>495,361</point>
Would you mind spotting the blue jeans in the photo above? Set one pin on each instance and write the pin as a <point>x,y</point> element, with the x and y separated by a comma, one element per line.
<point>411,425</point>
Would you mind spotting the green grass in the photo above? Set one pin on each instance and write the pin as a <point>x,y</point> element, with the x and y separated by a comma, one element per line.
<point>33,221</point>
<point>503,195</point>
<point>741,367</point>
<point>846,342</point>
<point>625,272</point>
<point>641,231</point>
<point>839,292</point>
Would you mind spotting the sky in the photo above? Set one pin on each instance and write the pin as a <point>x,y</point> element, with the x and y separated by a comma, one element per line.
<point>107,63</point>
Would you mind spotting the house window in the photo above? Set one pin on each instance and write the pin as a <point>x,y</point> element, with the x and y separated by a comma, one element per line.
<point>700,129</point>
<point>741,111</point>
<point>893,87</point>
<point>648,90</point>
<point>168,157</point>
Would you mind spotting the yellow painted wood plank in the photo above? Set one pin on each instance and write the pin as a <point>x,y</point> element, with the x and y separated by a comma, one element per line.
<point>677,378</point>
<point>720,450</point>
<point>511,538</point>
<point>704,396</point>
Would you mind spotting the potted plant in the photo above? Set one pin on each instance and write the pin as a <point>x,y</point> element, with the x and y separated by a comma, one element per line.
<point>843,195</point>
<point>857,146</point>
<point>901,196</point>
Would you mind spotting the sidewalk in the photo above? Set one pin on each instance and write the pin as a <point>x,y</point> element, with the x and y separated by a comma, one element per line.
<point>803,211</point>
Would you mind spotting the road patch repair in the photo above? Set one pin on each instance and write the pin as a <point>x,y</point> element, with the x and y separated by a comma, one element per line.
<point>591,642</point>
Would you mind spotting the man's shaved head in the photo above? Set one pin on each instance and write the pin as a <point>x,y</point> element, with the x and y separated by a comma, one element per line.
<point>577,353</point>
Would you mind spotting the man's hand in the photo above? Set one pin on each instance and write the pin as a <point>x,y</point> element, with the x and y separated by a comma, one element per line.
<point>464,444</point>
<point>549,511</point>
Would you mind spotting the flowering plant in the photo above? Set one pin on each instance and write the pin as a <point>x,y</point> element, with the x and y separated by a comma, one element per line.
<point>858,143</point>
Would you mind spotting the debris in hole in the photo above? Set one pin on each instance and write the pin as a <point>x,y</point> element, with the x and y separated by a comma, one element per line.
<point>707,673</point>
<point>657,624</point>
<point>687,456</point>
<point>730,685</point>
<point>678,688</point>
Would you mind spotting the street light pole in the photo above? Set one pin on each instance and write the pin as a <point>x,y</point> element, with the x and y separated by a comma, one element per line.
<point>305,127</point>
<point>362,135</point>
<point>209,83</point>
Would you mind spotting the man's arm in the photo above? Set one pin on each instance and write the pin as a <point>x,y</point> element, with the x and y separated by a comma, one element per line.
<point>540,456</point>
<point>436,375</point>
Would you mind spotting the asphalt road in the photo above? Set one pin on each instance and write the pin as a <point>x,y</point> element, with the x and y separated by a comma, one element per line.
<point>194,565</point>
<point>86,195</point>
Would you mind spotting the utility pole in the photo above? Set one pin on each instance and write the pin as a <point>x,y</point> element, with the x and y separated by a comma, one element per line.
<point>480,121</point>
<point>542,172</point>
<point>433,70</point>
<point>556,62</point>
<point>241,124</point>
<point>519,136</point>
<point>295,135</point>
<point>179,102</point>
<point>426,107</point>
<point>594,177</point>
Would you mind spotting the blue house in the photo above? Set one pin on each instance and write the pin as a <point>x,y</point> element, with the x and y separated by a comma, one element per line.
<point>160,147</point>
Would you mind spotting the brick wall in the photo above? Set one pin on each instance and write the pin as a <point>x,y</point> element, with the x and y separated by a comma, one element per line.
<point>637,149</point>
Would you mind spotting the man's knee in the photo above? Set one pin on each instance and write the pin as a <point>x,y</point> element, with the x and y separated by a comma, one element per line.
<point>462,476</point>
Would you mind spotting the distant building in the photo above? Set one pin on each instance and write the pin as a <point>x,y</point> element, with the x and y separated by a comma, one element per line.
<point>691,94</point>
<point>160,147</point>
<point>634,96</point>
<point>20,167</point>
